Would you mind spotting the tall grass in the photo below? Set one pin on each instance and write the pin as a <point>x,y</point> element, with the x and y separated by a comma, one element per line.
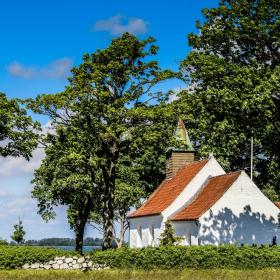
<point>269,274</point>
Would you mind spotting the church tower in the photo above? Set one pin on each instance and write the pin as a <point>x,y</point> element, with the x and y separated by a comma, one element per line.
<point>178,157</point>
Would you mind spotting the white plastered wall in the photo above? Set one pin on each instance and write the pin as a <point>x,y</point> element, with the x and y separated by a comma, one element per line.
<point>243,215</point>
<point>140,231</point>
<point>188,231</point>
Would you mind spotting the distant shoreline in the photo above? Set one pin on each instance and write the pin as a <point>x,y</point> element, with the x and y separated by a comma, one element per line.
<point>72,248</point>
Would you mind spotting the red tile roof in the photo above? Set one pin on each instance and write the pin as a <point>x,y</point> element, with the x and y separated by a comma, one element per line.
<point>210,194</point>
<point>168,190</point>
<point>277,203</point>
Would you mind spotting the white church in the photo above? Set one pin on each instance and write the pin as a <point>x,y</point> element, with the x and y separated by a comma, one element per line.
<point>205,204</point>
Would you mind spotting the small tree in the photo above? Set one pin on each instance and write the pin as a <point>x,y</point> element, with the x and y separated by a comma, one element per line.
<point>168,237</point>
<point>18,235</point>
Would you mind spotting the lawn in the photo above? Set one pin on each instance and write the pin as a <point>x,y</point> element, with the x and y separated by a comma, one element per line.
<point>270,274</point>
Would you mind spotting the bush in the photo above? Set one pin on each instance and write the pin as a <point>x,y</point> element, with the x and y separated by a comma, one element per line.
<point>168,237</point>
<point>196,257</point>
<point>17,256</point>
<point>3,242</point>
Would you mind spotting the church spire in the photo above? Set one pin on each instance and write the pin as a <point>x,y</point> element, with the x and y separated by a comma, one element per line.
<point>181,135</point>
<point>184,154</point>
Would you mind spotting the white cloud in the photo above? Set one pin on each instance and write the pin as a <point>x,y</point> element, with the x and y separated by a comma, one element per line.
<point>19,70</point>
<point>17,167</point>
<point>17,205</point>
<point>56,69</point>
<point>3,194</point>
<point>175,92</point>
<point>118,24</point>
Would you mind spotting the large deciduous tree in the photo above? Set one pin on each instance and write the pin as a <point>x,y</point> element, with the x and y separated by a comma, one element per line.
<point>233,87</point>
<point>117,119</point>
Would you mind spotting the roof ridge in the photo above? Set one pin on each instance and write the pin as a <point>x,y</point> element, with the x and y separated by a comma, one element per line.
<point>226,174</point>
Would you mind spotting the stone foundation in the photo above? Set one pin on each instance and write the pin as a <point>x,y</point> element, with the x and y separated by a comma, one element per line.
<point>66,263</point>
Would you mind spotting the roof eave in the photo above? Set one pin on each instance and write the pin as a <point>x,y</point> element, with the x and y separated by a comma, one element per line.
<point>185,220</point>
<point>144,215</point>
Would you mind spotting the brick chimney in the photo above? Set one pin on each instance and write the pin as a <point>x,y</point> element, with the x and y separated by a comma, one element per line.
<point>184,154</point>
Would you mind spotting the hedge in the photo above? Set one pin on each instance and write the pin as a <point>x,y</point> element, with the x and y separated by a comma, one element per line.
<point>17,256</point>
<point>195,257</point>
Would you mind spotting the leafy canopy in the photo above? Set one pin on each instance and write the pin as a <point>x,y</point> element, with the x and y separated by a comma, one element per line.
<point>17,130</point>
<point>233,94</point>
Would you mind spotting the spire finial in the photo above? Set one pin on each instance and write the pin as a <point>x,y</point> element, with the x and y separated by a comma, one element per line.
<point>181,135</point>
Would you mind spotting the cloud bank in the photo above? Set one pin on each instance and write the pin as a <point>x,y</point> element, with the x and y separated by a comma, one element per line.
<point>118,24</point>
<point>56,69</point>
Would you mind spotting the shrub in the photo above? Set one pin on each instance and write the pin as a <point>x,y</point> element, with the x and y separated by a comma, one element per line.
<point>3,242</point>
<point>196,257</point>
<point>17,256</point>
<point>168,237</point>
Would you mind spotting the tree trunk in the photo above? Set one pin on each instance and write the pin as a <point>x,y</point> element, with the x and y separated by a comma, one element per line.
<point>109,175</point>
<point>122,230</point>
<point>80,226</point>
<point>108,224</point>
<point>79,236</point>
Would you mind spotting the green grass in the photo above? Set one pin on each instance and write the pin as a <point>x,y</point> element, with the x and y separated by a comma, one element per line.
<point>217,274</point>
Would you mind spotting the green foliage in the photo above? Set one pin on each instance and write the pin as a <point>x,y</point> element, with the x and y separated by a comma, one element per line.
<point>3,242</point>
<point>195,257</point>
<point>18,234</point>
<point>17,256</point>
<point>233,77</point>
<point>17,129</point>
<point>167,237</point>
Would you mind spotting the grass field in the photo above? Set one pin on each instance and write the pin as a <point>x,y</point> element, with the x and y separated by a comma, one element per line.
<point>269,274</point>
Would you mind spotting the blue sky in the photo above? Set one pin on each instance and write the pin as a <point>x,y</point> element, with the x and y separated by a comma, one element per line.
<point>42,40</point>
